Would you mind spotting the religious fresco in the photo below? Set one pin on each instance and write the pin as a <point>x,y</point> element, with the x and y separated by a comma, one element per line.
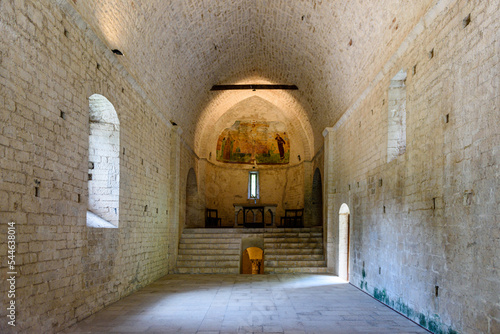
<point>247,141</point>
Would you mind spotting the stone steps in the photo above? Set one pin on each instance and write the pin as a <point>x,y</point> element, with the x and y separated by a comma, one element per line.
<point>303,270</point>
<point>187,270</point>
<point>210,263</point>
<point>293,257</point>
<point>289,250</point>
<point>293,263</point>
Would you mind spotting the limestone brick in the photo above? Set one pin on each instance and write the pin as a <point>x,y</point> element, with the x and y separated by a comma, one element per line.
<point>45,72</point>
<point>422,226</point>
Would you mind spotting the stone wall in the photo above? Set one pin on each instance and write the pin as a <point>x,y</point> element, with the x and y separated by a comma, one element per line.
<point>425,226</point>
<point>226,185</point>
<point>50,64</point>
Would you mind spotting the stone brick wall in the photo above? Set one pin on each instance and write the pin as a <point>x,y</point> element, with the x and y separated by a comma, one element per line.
<point>226,185</point>
<point>50,64</point>
<point>425,226</point>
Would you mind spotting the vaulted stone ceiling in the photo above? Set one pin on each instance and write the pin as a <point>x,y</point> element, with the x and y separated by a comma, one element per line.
<point>178,49</point>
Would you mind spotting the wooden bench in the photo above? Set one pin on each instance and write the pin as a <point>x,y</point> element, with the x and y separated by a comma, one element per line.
<point>293,218</point>
<point>212,218</point>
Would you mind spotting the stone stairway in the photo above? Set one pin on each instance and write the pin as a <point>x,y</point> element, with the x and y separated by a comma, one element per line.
<point>287,250</point>
<point>294,251</point>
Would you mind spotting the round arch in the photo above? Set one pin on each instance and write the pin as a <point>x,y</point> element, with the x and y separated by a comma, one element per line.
<point>344,241</point>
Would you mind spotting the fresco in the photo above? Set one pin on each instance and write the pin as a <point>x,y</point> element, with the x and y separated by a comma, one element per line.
<point>247,141</point>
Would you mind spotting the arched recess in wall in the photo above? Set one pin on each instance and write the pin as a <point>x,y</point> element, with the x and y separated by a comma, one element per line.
<point>317,199</point>
<point>252,261</point>
<point>192,218</point>
<point>344,241</point>
<point>103,164</point>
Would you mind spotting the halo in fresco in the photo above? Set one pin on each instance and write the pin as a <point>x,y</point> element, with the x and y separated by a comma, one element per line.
<point>247,142</point>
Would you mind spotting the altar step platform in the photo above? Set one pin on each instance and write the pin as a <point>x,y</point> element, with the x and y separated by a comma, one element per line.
<point>219,251</point>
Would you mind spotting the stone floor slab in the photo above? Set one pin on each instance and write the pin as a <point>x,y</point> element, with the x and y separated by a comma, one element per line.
<point>218,304</point>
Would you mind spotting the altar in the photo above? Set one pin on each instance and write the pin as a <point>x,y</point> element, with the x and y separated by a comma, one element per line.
<point>254,214</point>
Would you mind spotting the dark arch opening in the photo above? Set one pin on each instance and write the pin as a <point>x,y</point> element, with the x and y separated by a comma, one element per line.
<point>317,199</point>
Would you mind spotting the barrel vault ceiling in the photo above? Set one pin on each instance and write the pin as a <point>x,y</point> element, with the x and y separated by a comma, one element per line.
<point>178,49</point>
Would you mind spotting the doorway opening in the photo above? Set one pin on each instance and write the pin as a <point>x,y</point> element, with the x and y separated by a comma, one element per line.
<point>192,218</point>
<point>317,199</point>
<point>344,241</point>
<point>253,261</point>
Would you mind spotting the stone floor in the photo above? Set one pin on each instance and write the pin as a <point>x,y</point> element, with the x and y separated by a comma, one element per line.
<point>291,304</point>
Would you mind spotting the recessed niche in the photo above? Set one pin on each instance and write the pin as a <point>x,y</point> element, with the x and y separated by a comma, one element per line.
<point>62,114</point>
<point>431,54</point>
<point>446,118</point>
<point>466,21</point>
<point>37,191</point>
<point>90,177</point>
<point>414,69</point>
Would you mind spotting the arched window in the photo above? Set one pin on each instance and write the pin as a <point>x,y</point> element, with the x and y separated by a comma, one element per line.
<point>104,163</point>
<point>396,129</point>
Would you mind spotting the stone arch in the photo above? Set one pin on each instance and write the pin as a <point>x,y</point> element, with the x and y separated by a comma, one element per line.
<point>103,164</point>
<point>292,111</point>
<point>252,248</point>
<point>252,261</point>
<point>344,241</point>
<point>317,199</point>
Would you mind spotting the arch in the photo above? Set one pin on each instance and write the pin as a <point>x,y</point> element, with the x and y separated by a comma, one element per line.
<point>252,261</point>
<point>317,199</point>
<point>344,241</point>
<point>292,111</point>
<point>104,163</point>
<point>192,217</point>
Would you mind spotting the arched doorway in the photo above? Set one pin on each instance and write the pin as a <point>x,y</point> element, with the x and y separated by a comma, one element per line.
<point>252,261</point>
<point>317,199</point>
<point>344,240</point>
<point>192,214</point>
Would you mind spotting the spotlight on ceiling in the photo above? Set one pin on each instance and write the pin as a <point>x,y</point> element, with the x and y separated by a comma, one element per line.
<point>117,52</point>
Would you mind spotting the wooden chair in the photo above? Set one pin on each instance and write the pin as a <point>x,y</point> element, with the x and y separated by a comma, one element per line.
<point>293,218</point>
<point>212,218</point>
